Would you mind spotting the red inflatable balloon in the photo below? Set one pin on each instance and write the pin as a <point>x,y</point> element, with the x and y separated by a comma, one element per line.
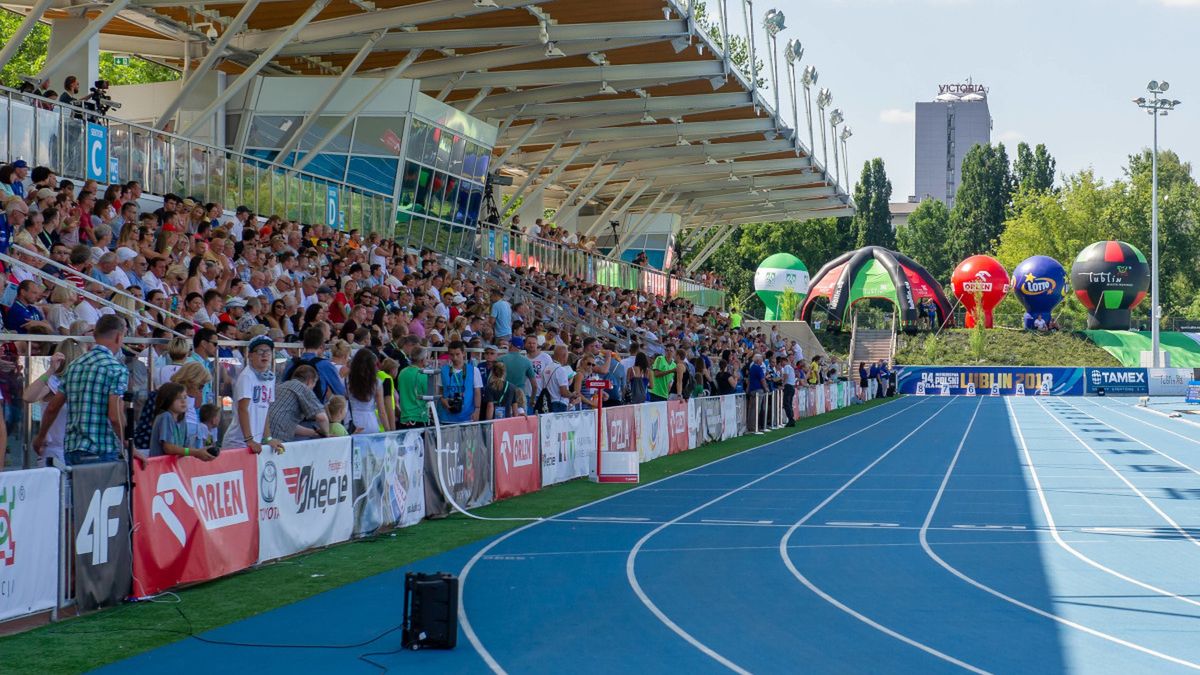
<point>980,274</point>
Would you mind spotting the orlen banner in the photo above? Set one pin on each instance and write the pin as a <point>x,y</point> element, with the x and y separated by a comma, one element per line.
<point>568,445</point>
<point>653,436</point>
<point>464,464</point>
<point>388,473</point>
<point>515,459</point>
<point>677,426</point>
<point>1117,381</point>
<point>304,497</point>
<point>103,561</point>
<point>28,541</point>
<point>193,520</point>
<point>978,380</point>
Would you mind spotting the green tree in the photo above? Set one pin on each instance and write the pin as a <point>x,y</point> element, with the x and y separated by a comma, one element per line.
<point>29,58</point>
<point>873,217</point>
<point>1033,169</point>
<point>137,71</point>
<point>738,48</point>
<point>981,204</point>
<point>926,239</point>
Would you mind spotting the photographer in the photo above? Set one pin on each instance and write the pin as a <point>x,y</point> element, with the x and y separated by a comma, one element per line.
<point>459,387</point>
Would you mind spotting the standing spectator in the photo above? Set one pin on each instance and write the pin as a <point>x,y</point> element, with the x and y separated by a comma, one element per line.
<point>92,387</point>
<point>639,378</point>
<point>364,393</point>
<point>864,385</point>
<point>412,385</point>
<point>558,382</point>
<point>329,381</point>
<point>460,385</point>
<point>662,377</point>
<point>296,414</point>
<point>501,315</point>
<point>873,374</point>
<point>170,433</point>
<point>500,396</point>
<point>253,393</point>
<point>45,388</point>
<point>788,374</point>
<point>519,370</point>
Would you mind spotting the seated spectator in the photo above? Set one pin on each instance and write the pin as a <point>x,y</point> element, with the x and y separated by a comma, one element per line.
<point>296,414</point>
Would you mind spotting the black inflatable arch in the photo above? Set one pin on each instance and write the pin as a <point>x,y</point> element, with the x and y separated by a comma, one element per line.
<point>894,264</point>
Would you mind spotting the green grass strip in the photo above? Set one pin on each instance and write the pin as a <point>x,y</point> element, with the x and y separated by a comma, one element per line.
<point>103,637</point>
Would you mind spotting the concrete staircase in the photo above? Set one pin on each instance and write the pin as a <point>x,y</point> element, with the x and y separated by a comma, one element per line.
<point>870,346</point>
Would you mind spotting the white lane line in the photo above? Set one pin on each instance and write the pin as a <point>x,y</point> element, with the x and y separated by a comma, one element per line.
<point>1113,408</point>
<point>613,519</point>
<point>1138,440</point>
<point>718,521</point>
<point>465,622</point>
<point>988,527</point>
<point>1162,514</point>
<point>631,560</point>
<point>1156,412</point>
<point>1050,519</point>
<point>851,523</point>
<point>787,560</point>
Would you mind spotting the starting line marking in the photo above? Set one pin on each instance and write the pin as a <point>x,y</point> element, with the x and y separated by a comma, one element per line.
<point>988,527</point>
<point>614,519</point>
<point>850,523</point>
<point>718,521</point>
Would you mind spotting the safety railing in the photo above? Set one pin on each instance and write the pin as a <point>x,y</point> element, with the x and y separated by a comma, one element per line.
<point>521,250</point>
<point>82,144</point>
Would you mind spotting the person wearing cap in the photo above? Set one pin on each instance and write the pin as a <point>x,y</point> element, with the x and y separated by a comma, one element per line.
<point>42,199</point>
<point>20,173</point>
<point>253,392</point>
<point>235,308</point>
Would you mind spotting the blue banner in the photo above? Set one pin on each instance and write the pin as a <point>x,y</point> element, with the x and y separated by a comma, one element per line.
<point>97,153</point>
<point>982,380</point>
<point>1118,381</point>
<point>333,207</point>
<point>1193,392</point>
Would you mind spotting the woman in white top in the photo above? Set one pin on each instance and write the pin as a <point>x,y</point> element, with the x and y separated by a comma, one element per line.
<point>45,387</point>
<point>61,310</point>
<point>364,393</point>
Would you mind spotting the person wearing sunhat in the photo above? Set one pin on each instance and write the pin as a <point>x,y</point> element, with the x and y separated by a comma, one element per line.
<point>20,173</point>
<point>235,308</point>
<point>253,392</point>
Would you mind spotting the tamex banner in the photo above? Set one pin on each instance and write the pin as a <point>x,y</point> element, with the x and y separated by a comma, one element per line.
<point>304,497</point>
<point>193,520</point>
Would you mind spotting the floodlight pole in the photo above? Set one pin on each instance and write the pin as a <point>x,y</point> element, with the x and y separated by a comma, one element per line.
<point>1155,107</point>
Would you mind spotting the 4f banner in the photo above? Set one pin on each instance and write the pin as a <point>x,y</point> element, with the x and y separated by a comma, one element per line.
<point>389,481</point>
<point>653,437</point>
<point>103,561</point>
<point>193,520</point>
<point>515,457</point>
<point>568,445</point>
<point>463,468</point>
<point>28,541</point>
<point>304,497</point>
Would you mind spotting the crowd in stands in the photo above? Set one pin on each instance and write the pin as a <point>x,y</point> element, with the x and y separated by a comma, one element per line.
<point>370,318</point>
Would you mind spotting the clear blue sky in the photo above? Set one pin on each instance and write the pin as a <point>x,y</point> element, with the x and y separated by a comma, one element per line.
<point>1060,72</point>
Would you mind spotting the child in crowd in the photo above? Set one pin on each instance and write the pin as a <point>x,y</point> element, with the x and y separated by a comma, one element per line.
<point>170,435</point>
<point>335,409</point>
<point>210,425</point>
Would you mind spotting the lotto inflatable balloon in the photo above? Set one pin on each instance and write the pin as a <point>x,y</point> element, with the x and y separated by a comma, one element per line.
<point>1110,278</point>
<point>775,275</point>
<point>984,276</point>
<point>1040,283</point>
<point>876,272</point>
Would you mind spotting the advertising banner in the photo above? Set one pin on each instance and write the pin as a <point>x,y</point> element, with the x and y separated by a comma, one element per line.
<point>819,397</point>
<point>568,445</point>
<point>465,465</point>
<point>28,541</point>
<point>730,415</point>
<point>304,497</point>
<point>618,447</point>
<point>193,520</point>
<point>388,473</point>
<point>515,459</point>
<point>811,394</point>
<point>1169,381</point>
<point>711,424</point>
<point>677,426</point>
<point>694,421</point>
<point>1132,381</point>
<point>956,380</point>
<point>100,527</point>
<point>653,437</point>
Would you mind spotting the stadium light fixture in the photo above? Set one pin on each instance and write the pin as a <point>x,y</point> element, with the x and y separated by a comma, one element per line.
<point>486,4</point>
<point>773,22</point>
<point>605,88</point>
<point>1156,107</point>
<point>552,50</point>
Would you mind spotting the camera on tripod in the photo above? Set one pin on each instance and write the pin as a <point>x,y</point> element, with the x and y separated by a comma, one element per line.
<point>98,100</point>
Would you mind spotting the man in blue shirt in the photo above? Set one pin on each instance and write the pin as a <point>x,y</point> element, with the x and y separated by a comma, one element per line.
<point>20,173</point>
<point>756,385</point>
<point>501,314</point>
<point>22,315</point>
<point>873,373</point>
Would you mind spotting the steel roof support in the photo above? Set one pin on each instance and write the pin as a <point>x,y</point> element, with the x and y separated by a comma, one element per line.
<point>252,71</point>
<point>55,62</point>
<point>712,246</point>
<point>641,224</point>
<point>549,180</point>
<point>575,208</point>
<point>533,174</point>
<point>476,100</point>
<point>583,181</point>
<point>529,131</point>
<point>215,52</point>
<point>663,72</point>
<point>18,38</point>
<point>612,204</point>
<point>345,120</point>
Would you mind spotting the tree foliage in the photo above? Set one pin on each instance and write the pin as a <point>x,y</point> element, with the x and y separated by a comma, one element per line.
<point>981,204</point>
<point>738,47</point>
<point>1033,170</point>
<point>873,217</point>
<point>926,238</point>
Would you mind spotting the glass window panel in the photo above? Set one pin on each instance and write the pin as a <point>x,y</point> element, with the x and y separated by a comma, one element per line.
<point>445,145</point>
<point>418,134</point>
<point>118,152</point>
<point>376,174</point>
<point>179,168</point>
<point>271,131</point>
<point>233,184</point>
<point>378,136</point>
<point>437,193</point>
<point>430,149</point>
<point>482,163</point>
<point>456,154</point>
<point>22,133</point>
<point>323,125</point>
<point>268,155</point>
<point>326,165</point>
<point>424,189</point>
<point>473,203</point>
<point>4,127</point>
<point>293,196</point>
<point>451,198</point>
<point>278,204</point>
<point>408,186</point>
<point>200,176</point>
<point>46,151</point>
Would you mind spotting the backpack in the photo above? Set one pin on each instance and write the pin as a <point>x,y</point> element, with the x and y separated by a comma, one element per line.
<point>542,404</point>
<point>321,389</point>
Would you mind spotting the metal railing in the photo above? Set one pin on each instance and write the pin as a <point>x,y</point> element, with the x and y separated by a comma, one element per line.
<point>518,249</point>
<point>44,132</point>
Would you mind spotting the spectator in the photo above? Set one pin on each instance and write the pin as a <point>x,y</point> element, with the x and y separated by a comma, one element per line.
<point>558,382</point>
<point>459,383</point>
<point>45,388</point>
<point>501,315</point>
<point>297,414</point>
<point>92,388</point>
<point>170,433</point>
<point>253,393</point>
<point>500,398</point>
<point>329,381</point>
<point>788,375</point>
<point>364,394</point>
<point>662,377</point>
<point>335,410</point>
<point>24,315</point>
<point>412,385</point>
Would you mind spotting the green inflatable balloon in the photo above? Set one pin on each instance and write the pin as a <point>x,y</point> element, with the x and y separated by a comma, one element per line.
<point>774,276</point>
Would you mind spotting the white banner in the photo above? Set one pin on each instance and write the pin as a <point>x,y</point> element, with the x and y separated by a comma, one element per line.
<point>28,541</point>
<point>694,422</point>
<point>729,415</point>
<point>305,498</point>
<point>1169,381</point>
<point>653,434</point>
<point>389,480</point>
<point>568,445</point>
<point>778,279</point>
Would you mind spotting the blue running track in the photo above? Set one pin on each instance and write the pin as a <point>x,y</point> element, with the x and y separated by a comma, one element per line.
<point>928,535</point>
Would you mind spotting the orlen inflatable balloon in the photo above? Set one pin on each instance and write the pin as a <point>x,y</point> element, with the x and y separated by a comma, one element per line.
<point>1110,278</point>
<point>980,274</point>
<point>1040,283</point>
<point>776,274</point>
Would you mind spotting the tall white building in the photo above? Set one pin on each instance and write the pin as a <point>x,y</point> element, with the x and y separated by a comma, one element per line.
<point>947,128</point>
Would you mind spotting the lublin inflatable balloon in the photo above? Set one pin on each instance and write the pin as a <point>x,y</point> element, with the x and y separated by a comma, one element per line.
<point>1110,278</point>
<point>983,276</point>
<point>776,274</point>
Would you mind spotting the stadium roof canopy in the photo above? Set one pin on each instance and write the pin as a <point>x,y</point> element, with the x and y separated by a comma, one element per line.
<point>573,86</point>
